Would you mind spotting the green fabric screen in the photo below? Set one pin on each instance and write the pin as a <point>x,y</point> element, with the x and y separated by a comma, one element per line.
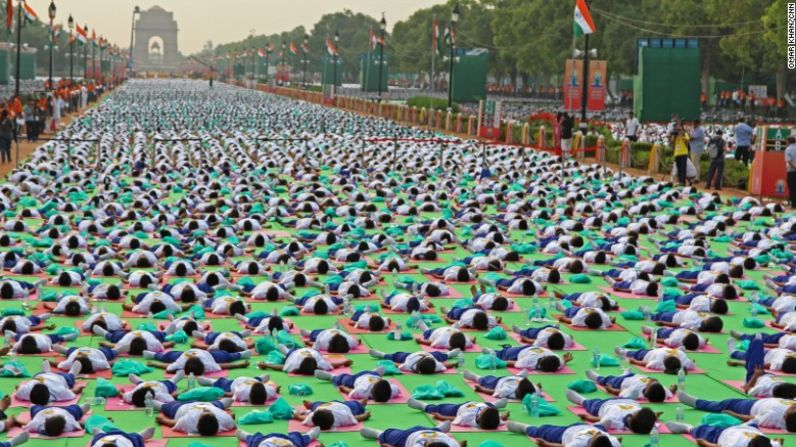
<point>369,79</point>
<point>668,82</point>
<point>469,74</point>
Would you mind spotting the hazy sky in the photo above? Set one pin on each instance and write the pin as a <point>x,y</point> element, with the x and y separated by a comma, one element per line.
<point>219,20</point>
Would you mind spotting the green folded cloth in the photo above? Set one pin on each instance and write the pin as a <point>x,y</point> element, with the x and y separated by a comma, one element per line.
<point>429,319</point>
<point>524,249</point>
<point>125,367</point>
<point>566,303</point>
<point>281,410</point>
<point>9,311</point>
<point>447,389</point>
<point>750,322</point>
<point>405,335</point>
<point>198,444</point>
<point>544,407</point>
<point>605,360</point>
<point>490,443</point>
<point>275,358</point>
<point>488,361</point>
<point>666,306</point>
<point>670,281</point>
<point>759,309</point>
<point>427,392</point>
<point>723,238</point>
<point>264,345</point>
<point>747,284</point>
<point>299,389</point>
<point>537,312</point>
<point>146,327</point>
<point>283,337</point>
<point>338,444</point>
<point>635,343</point>
<point>101,423</point>
<point>256,314</point>
<point>580,278</point>
<point>178,337</point>
<point>104,388</point>
<point>366,308</point>
<point>289,311</point>
<point>742,345</point>
<point>582,386</point>
<point>389,368</point>
<point>196,311</point>
<point>496,333</point>
<point>256,417</point>
<point>463,303</point>
<point>245,281</point>
<point>633,315</point>
<point>720,420</point>
<point>202,393</point>
<point>163,315</point>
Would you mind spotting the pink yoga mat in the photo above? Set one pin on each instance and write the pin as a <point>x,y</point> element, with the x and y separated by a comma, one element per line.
<point>310,314</point>
<point>735,384</point>
<point>249,404</point>
<point>149,443</point>
<point>105,374</point>
<point>72,434</point>
<point>542,294</point>
<point>446,282</point>
<point>580,411</point>
<point>295,425</point>
<point>625,295</point>
<point>707,349</point>
<point>117,403</point>
<point>169,432</point>
<point>243,444</point>
<point>336,371</point>
<point>210,375</point>
<point>427,348</point>
<point>643,400</point>
<point>394,312</point>
<point>345,323</point>
<point>564,370</point>
<point>461,429</point>
<point>402,399</point>
<point>490,398</point>
<point>696,370</point>
<point>359,349</point>
<point>613,327</point>
<point>26,403</point>
<point>469,329</point>
<point>575,345</point>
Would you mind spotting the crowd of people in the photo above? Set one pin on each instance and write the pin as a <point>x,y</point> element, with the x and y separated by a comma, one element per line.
<point>215,260</point>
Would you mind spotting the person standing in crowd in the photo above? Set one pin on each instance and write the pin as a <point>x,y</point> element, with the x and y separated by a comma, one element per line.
<point>716,155</point>
<point>679,141</point>
<point>697,145</point>
<point>30,120</point>
<point>567,123</point>
<point>632,126</point>
<point>6,135</point>
<point>744,137</point>
<point>790,162</point>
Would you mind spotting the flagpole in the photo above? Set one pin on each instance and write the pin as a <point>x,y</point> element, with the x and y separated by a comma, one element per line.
<point>19,47</point>
<point>366,87</point>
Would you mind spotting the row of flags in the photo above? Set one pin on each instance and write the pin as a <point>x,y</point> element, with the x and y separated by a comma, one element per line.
<point>81,35</point>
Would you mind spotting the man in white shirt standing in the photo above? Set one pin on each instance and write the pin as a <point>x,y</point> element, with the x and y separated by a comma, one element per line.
<point>790,165</point>
<point>632,126</point>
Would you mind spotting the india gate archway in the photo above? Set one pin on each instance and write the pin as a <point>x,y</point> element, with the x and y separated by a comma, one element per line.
<point>155,42</point>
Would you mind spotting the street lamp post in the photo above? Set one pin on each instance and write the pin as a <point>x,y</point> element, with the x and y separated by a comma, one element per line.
<point>93,60</point>
<point>254,64</point>
<point>306,57</point>
<point>267,59</point>
<point>454,19</point>
<point>71,24</point>
<point>85,57</point>
<point>136,10</point>
<point>584,96</point>
<point>284,47</point>
<point>51,11</point>
<point>336,59</point>
<point>19,46</point>
<point>383,26</point>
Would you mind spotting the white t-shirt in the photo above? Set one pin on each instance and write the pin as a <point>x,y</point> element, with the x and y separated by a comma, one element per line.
<point>544,335</point>
<point>342,415</point>
<point>506,387</point>
<point>117,440</point>
<point>425,437</point>
<point>364,384</point>
<point>152,342</point>
<point>675,339</point>
<point>36,425</point>
<point>59,389</point>
<point>775,357</point>
<point>325,337</point>
<point>655,358</point>
<point>770,412</point>
<point>61,306</point>
<point>187,417</point>
<point>43,342</point>
<point>112,321</point>
<point>207,360</point>
<point>161,391</point>
<point>529,357</point>
<point>579,319</point>
<point>466,319</point>
<point>612,414</point>
<point>582,434</point>
<point>468,413</point>
<point>95,356</point>
<point>440,338</point>
<point>631,127</point>
<point>739,436</point>
<point>242,386</point>
<point>411,360</point>
<point>294,359</point>
<point>632,387</point>
<point>764,385</point>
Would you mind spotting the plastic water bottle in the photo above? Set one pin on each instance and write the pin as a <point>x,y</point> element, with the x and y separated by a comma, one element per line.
<point>678,414</point>
<point>397,332</point>
<point>535,405</point>
<point>191,381</point>
<point>460,361</point>
<point>595,359</point>
<point>654,437</point>
<point>149,404</point>
<point>654,338</point>
<point>681,379</point>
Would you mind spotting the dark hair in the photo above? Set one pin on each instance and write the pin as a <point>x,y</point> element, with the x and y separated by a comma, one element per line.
<point>600,257</point>
<point>671,365</point>
<point>500,303</point>
<point>433,290</point>
<point>180,269</point>
<point>194,365</point>
<point>72,309</point>
<point>655,392</point>
<point>593,320</point>
<point>554,277</point>
<point>463,275</point>
<point>376,323</point>
<point>323,419</point>
<point>691,342</point>
<point>188,295</point>
<point>719,306</point>
<point>549,363</point>
<point>258,394</point>
<point>730,293</point>
<point>138,346</point>
<point>749,263</point>
<point>381,391</point>
<point>524,387</point>
<point>323,267</point>
<point>54,426</point>
<point>790,420</point>
<point>711,324</point>
<point>600,441</point>
<point>413,304</point>
<point>157,306</point>
<point>207,425</point>
<point>556,341</point>
<point>307,367</point>
<point>190,326</point>
<point>426,365</point>
<point>6,291</point>
<point>238,307</point>
<point>784,390</point>
<point>642,421</point>
<point>275,323</point>
<point>652,289</point>
<point>40,394</point>
<point>64,280</point>
<point>139,396</point>
<point>86,367</point>
<point>228,345</point>
<point>113,292</point>
<point>789,365</point>
<point>528,288</point>
<point>338,344</point>
<point>457,341</point>
<point>489,418</point>
<point>480,321</point>
<point>320,307</point>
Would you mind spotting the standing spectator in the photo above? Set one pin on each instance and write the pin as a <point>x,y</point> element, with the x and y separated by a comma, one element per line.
<point>744,135</point>
<point>697,144</point>
<point>716,155</point>
<point>567,123</point>
<point>58,105</point>
<point>632,126</point>
<point>790,162</point>
<point>557,132</point>
<point>30,121</point>
<point>6,135</point>
<point>679,141</point>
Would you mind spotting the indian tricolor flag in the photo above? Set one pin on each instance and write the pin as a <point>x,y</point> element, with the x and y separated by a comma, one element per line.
<point>30,14</point>
<point>583,21</point>
<point>80,35</point>
<point>330,47</point>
